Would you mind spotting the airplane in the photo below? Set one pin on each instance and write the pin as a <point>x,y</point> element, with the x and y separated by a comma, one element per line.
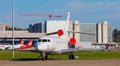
<point>61,44</point>
<point>18,46</point>
<point>7,46</point>
<point>28,45</point>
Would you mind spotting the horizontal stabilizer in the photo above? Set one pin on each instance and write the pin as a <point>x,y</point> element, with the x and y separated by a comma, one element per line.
<point>81,32</point>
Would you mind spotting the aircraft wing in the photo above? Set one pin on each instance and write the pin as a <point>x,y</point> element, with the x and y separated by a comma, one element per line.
<point>52,33</point>
<point>79,49</point>
<point>81,32</point>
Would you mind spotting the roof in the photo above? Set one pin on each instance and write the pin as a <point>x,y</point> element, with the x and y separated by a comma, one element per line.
<point>19,34</point>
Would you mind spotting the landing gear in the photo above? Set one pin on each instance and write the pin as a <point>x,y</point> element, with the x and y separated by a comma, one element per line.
<point>44,56</point>
<point>71,56</point>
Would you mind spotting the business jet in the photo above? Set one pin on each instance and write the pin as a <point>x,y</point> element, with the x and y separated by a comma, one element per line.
<point>61,43</point>
<point>6,46</point>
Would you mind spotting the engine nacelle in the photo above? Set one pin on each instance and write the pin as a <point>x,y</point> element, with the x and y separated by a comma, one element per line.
<point>60,32</point>
<point>72,41</point>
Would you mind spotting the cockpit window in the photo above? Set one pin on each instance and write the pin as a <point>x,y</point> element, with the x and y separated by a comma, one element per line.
<point>39,40</point>
<point>44,40</point>
<point>48,40</point>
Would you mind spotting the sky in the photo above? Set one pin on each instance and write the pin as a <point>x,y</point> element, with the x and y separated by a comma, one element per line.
<point>85,11</point>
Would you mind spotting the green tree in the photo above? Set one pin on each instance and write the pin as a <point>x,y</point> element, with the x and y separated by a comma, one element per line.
<point>116,35</point>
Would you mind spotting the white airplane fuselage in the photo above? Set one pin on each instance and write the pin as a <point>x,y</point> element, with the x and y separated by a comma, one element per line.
<point>51,44</point>
<point>6,47</point>
<point>59,45</point>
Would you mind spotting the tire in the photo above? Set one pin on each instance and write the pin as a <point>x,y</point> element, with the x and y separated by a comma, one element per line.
<point>71,56</point>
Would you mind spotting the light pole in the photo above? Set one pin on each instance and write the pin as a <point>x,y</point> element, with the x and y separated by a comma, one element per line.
<point>12,29</point>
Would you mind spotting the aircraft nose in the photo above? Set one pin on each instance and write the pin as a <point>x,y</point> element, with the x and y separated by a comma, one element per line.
<point>42,47</point>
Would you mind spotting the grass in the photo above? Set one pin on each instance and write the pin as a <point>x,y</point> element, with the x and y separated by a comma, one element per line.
<point>7,55</point>
<point>99,55</point>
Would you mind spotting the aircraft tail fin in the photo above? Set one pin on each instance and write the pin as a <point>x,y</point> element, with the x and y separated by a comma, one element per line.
<point>65,31</point>
<point>22,42</point>
<point>28,45</point>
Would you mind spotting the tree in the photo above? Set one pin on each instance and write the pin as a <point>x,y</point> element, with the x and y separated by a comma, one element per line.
<point>116,35</point>
<point>15,28</point>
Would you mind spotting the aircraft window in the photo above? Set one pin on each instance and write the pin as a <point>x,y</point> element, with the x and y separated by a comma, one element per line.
<point>44,40</point>
<point>39,40</point>
<point>48,40</point>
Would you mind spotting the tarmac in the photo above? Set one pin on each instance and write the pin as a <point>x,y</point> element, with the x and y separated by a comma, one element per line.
<point>110,62</point>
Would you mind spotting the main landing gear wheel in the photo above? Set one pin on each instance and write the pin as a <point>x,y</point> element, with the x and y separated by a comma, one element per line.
<point>71,56</point>
<point>44,56</point>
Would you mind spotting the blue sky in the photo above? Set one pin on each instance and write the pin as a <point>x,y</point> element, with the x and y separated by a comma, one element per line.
<point>86,11</point>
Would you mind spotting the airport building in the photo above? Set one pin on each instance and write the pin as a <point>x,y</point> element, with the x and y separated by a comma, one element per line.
<point>88,28</point>
<point>37,28</point>
<point>6,36</point>
<point>3,27</point>
<point>102,30</point>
